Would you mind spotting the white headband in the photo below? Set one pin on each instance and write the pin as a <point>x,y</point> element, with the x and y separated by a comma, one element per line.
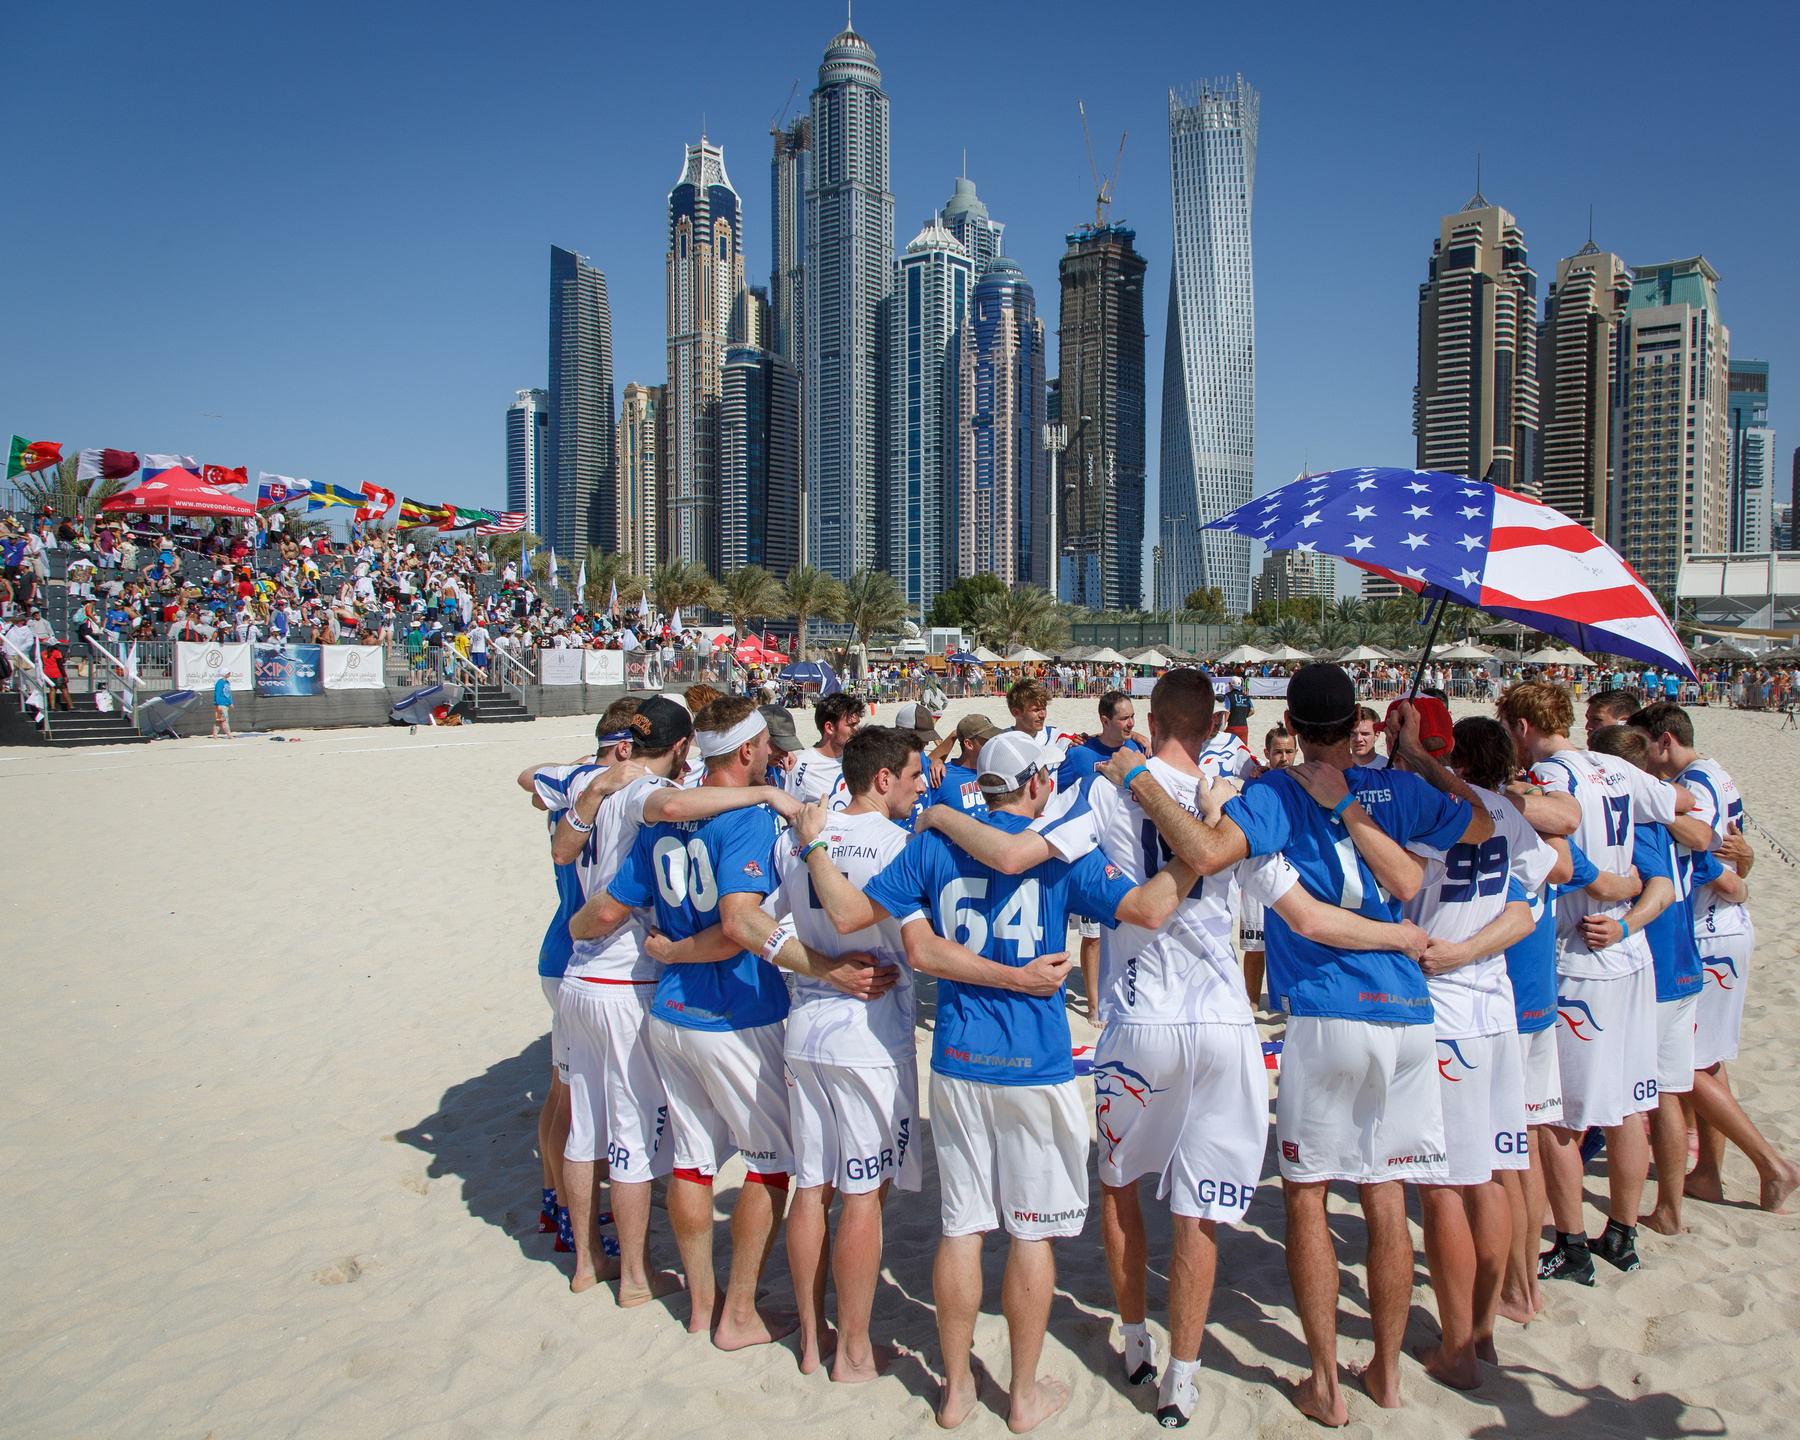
<point>723,742</point>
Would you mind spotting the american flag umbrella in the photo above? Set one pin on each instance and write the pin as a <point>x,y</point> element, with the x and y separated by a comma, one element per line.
<point>1469,541</point>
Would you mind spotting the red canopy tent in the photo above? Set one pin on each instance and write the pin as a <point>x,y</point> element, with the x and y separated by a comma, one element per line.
<point>178,492</point>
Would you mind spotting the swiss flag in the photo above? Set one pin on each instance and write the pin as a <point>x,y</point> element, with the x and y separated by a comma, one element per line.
<point>380,502</point>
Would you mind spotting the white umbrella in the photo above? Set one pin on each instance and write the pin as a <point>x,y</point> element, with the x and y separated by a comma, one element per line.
<point>1556,657</point>
<point>1027,656</point>
<point>1465,651</point>
<point>984,654</point>
<point>1150,657</point>
<point>1288,652</point>
<point>1243,655</point>
<point>1105,657</point>
<point>1364,652</point>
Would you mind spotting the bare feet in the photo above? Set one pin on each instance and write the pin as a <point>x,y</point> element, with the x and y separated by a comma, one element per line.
<point>1779,1186</point>
<point>959,1399</point>
<point>1515,1308</point>
<point>662,1283</point>
<point>1311,1402</point>
<point>581,1281</point>
<point>1381,1382</point>
<point>758,1330</point>
<point>1703,1187</point>
<point>872,1366</point>
<point>1485,1352</point>
<point>704,1314</point>
<point>1036,1405</point>
<point>812,1351</point>
<point>1663,1220</point>
<point>1441,1368</point>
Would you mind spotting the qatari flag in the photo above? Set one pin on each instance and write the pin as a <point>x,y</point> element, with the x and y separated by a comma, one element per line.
<point>106,464</point>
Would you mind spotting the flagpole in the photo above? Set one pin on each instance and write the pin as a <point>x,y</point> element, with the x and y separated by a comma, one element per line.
<point>1437,618</point>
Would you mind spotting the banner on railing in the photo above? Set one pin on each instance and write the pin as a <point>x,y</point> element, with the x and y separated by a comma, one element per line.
<point>198,667</point>
<point>559,667</point>
<point>643,671</point>
<point>603,667</point>
<point>352,667</point>
<point>289,669</point>
<point>1266,685</point>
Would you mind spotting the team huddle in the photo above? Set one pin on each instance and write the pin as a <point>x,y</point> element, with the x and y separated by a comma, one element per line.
<point>1493,952</point>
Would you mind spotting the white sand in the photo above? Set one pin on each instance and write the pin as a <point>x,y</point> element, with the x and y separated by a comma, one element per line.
<point>273,1051</point>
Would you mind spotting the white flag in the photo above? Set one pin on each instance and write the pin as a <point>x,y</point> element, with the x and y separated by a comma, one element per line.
<point>581,581</point>
<point>612,605</point>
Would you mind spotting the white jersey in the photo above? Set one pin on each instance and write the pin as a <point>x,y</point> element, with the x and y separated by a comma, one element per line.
<point>1718,803</point>
<point>817,777</point>
<point>695,771</point>
<point>620,955</point>
<point>1054,741</point>
<point>1613,795</point>
<point>1465,889</point>
<point>1226,755</point>
<point>1187,971</point>
<point>824,1024</point>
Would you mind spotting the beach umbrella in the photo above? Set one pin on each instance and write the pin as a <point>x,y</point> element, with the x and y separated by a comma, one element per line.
<point>1465,651</point>
<point>1547,656</point>
<point>1027,656</point>
<point>813,672</point>
<point>1364,653</point>
<point>962,657</point>
<point>985,655</point>
<point>1449,538</point>
<point>1288,652</point>
<point>1107,656</point>
<point>1244,655</point>
<point>160,712</point>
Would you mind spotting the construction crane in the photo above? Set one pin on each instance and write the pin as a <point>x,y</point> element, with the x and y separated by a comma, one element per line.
<point>775,124</point>
<point>1103,194</point>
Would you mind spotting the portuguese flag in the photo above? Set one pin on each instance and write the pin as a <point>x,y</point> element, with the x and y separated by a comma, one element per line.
<point>32,455</point>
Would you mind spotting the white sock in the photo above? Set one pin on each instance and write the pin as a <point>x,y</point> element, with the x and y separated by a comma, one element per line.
<point>1140,1349</point>
<point>1178,1387</point>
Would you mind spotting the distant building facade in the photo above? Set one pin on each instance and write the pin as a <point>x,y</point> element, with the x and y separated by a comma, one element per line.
<point>965,217</point>
<point>790,175</point>
<point>639,469</point>
<point>1294,575</point>
<point>580,478</point>
<point>1752,463</point>
<point>528,459</point>
<point>1578,361</point>
<point>759,462</point>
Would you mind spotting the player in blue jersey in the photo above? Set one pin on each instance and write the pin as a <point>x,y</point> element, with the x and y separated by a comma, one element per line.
<point>716,1029</point>
<point>1008,1121</point>
<point>1117,717</point>
<point>1359,1087</point>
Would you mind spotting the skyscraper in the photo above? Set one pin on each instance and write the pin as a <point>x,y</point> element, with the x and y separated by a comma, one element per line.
<point>705,296</point>
<point>1578,364</point>
<point>1752,479</point>
<point>1100,508</point>
<point>640,486</point>
<point>581,483</point>
<point>1475,409</point>
<point>849,267</point>
<point>790,176</point>
<point>965,217</point>
<point>759,462</point>
<point>1209,359</point>
<point>528,458</point>
<point>1002,504</point>
<point>1674,435</point>
<point>933,282</point>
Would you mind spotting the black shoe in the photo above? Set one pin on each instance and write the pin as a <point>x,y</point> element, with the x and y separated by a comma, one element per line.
<point>1565,1261</point>
<point>1617,1246</point>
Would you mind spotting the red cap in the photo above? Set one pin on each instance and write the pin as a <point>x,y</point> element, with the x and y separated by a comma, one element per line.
<point>1435,726</point>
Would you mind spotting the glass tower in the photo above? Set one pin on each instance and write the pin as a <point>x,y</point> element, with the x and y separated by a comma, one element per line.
<point>966,218</point>
<point>580,460</point>
<point>527,458</point>
<point>1209,358</point>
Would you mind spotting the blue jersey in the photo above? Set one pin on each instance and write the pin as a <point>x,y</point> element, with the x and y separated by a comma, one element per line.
<point>958,789</point>
<point>684,869</point>
<point>1671,934</point>
<point>554,786</point>
<point>1307,978</point>
<point>1087,757</point>
<point>999,1037</point>
<point>1531,964</point>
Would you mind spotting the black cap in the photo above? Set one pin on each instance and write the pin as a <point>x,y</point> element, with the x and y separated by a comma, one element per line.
<point>660,722</point>
<point>1321,695</point>
<point>782,734</point>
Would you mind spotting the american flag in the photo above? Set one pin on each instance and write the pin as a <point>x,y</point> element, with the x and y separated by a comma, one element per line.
<point>1482,545</point>
<point>507,522</point>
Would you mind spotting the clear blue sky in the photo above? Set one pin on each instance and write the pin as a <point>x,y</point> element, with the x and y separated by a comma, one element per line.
<point>328,225</point>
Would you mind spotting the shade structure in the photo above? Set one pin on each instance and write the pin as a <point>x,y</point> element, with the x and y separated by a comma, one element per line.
<point>1288,652</point>
<point>1547,656</point>
<point>1465,652</point>
<point>178,492</point>
<point>963,657</point>
<point>813,672</point>
<point>1028,656</point>
<point>1150,657</point>
<point>1108,656</point>
<point>985,655</point>
<point>1243,655</point>
<point>1364,652</point>
<point>1444,535</point>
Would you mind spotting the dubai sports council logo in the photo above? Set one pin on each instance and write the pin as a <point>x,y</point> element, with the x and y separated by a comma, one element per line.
<point>1576,1015</point>
<point>1116,1081</point>
<point>1460,1058</point>
<point>1718,975</point>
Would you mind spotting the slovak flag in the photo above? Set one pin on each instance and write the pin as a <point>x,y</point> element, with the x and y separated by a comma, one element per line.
<point>279,489</point>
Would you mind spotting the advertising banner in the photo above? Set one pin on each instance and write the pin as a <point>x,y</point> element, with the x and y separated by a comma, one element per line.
<point>1267,685</point>
<point>643,671</point>
<point>289,670</point>
<point>603,667</point>
<point>559,667</point>
<point>352,667</point>
<point>198,666</point>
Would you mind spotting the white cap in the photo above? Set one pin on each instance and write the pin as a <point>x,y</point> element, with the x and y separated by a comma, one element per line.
<point>1012,759</point>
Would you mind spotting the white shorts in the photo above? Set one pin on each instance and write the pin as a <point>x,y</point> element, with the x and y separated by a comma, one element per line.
<point>1606,1046</point>
<point>1090,929</point>
<point>559,1041</point>
<point>1725,967</point>
<point>616,1098</point>
<point>1358,1101</point>
<point>1481,1084</point>
<point>1675,1044</point>
<point>1188,1103</point>
<point>1012,1156</point>
<point>1543,1077</point>
<point>854,1127</point>
<point>727,1095</point>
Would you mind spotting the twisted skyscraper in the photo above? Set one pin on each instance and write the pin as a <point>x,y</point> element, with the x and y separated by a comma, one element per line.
<point>1209,360</point>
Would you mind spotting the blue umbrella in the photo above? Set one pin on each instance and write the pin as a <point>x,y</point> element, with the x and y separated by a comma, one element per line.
<point>962,657</point>
<point>812,672</point>
<point>416,708</point>
<point>1448,538</point>
<point>160,712</point>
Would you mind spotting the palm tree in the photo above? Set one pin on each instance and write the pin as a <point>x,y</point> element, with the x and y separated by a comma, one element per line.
<point>605,569</point>
<point>751,593</point>
<point>1005,620</point>
<point>873,602</point>
<point>63,493</point>
<point>1351,609</point>
<point>1291,630</point>
<point>505,548</point>
<point>1332,634</point>
<point>681,584</point>
<point>810,592</point>
<point>1244,633</point>
<point>1049,633</point>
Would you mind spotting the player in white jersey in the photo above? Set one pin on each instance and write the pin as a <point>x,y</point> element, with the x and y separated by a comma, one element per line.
<point>817,773</point>
<point>1279,752</point>
<point>1180,1040</point>
<point>1029,703</point>
<point>1606,998</point>
<point>1471,902</point>
<point>1725,937</point>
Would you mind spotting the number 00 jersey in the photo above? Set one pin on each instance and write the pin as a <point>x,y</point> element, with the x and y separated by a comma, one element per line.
<point>1187,971</point>
<point>1718,803</point>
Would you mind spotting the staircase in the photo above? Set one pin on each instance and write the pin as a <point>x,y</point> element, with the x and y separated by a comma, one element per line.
<point>494,703</point>
<point>84,725</point>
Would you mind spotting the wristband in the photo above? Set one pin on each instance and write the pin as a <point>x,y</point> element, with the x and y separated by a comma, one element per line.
<point>575,822</point>
<point>1134,773</point>
<point>1343,805</point>
<point>772,947</point>
<point>819,844</point>
<point>1624,930</point>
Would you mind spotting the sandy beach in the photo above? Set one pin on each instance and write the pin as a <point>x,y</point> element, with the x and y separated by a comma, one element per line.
<point>273,1050</point>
